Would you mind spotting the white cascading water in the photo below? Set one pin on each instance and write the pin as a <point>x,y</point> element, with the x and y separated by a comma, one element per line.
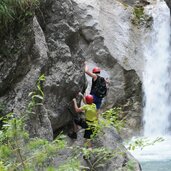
<point>157,78</point>
<point>157,92</point>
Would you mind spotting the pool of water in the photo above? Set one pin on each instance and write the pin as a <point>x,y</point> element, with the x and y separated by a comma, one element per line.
<point>156,166</point>
<point>155,157</point>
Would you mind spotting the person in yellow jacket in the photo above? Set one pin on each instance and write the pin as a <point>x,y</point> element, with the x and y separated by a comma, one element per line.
<point>91,116</point>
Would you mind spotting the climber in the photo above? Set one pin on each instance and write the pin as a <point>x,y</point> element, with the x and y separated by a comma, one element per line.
<point>91,117</point>
<point>98,87</point>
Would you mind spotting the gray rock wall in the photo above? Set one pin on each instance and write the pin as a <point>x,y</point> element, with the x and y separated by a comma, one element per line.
<point>64,71</point>
<point>109,140</point>
<point>56,42</point>
<point>22,63</point>
<point>52,51</point>
<point>110,40</point>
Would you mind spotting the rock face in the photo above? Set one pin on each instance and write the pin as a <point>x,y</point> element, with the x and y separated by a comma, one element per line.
<point>52,51</point>
<point>111,41</point>
<point>107,140</point>
<point>64,70</point>
<point>168,2</point>
<point>56,42</point>
<point>21,64</point>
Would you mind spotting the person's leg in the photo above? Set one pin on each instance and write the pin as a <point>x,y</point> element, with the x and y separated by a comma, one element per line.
<point>81,122</point>
<point>75,127</point>
<point>87,136</point>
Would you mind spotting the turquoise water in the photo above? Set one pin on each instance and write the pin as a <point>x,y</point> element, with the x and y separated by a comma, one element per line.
<point>156,166</point>
<point>156,157</point>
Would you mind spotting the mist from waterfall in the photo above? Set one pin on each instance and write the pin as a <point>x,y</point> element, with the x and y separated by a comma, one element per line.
<point>157,77</point>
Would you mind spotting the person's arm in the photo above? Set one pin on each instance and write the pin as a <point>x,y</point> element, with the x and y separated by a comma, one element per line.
<point>80,94</point>
<point>77,109</point>
<point>94,76</point>
<point>107,80</point>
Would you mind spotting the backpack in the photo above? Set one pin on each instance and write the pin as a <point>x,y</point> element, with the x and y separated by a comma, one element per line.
<point>100,88</point>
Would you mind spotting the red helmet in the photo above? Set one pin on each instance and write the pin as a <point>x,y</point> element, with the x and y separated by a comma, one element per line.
<point>89,99</point>
<point>96,70</point>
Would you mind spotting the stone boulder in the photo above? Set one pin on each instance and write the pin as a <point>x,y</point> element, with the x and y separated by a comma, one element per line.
<point>109,140</point>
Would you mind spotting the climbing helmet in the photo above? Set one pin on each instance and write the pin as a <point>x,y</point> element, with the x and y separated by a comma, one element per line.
<point>89,99</point>
<point>96,70</point>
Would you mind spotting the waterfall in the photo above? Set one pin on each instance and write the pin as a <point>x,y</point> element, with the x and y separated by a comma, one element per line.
<point>157,91</point>
<point>157,77</point>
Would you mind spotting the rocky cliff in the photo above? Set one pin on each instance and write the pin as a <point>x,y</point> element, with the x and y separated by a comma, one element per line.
<point>56,42</point>
<point>110,40</point>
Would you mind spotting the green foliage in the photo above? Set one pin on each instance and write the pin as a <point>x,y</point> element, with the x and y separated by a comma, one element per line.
<point>70,165</point>
<point>143,142</point>
<point>18,152</point>
<point>130,165</point>
<point>37,96</point>
<point>110,118</point>
<point>113,117</point>
<point>2,167</point>
<point>139,17</point>
<point>98,127</point>
<point>98,157</point>
<point>15,10</point>
<point>138,12</point>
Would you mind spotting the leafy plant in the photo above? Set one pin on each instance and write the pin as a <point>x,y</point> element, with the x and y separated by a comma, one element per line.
<point>143,142</point>
<point>70,165</point>
<point>37,96</point>
<point>15,10</point>
<point>20,152</point>
<point>138,12</point>
<point>139,16</point>
<point>130,165</point>
<point>110,118</point>
<point>113,117</point>
<point>98,157</point>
